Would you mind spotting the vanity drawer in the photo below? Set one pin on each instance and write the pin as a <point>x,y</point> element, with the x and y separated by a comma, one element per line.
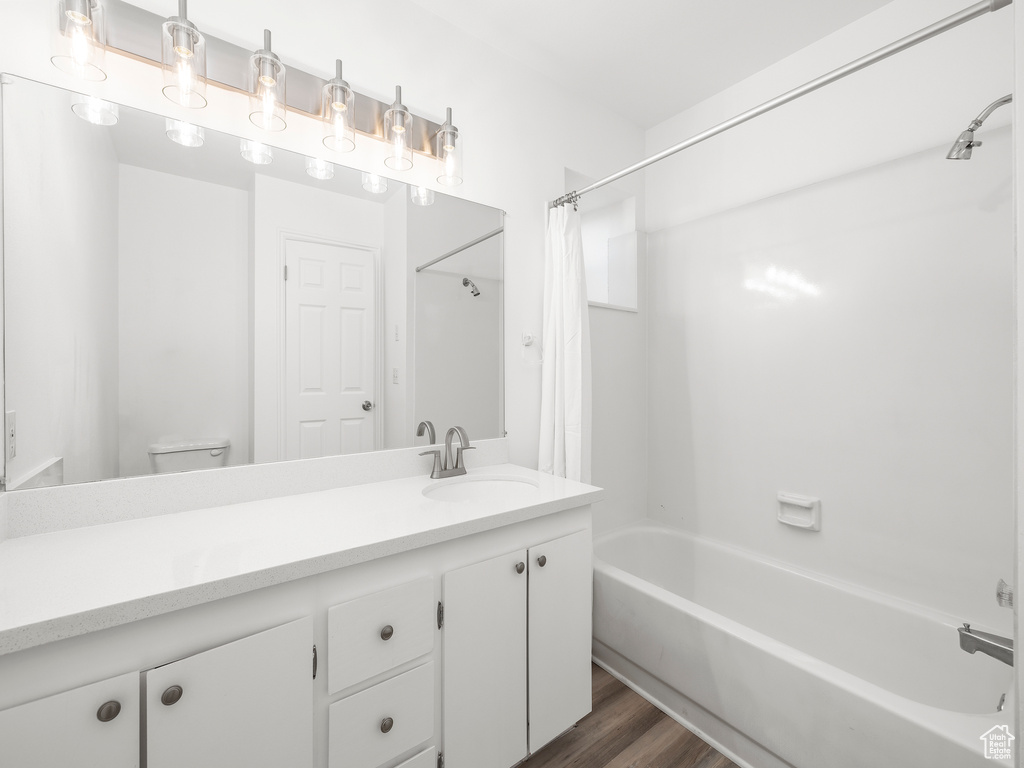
<point>374,726</point>
<point>377,632</point>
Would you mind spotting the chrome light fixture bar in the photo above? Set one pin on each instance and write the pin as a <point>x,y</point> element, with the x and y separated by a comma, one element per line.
<point>136,31</point>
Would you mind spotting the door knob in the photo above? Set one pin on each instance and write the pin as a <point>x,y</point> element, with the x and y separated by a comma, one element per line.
<point>520,567</point>
<point>367,405</point>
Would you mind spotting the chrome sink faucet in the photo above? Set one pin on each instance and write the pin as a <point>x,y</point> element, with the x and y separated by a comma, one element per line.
<point>426,427</point>
<point>447,467</point>
<point>972,640</point>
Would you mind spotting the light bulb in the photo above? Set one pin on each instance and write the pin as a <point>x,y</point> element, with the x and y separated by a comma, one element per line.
<point>256,152</point>
<point>421,196</point>
<point>80,38</point>
<point>93,110</point>
<point>183,133</point>
<point>319,169</point>
<point>183,59</point>
<point>378,185</point>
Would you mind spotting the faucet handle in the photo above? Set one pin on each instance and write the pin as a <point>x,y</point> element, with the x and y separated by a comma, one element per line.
<point>459,450</point>
<point>435,472</point>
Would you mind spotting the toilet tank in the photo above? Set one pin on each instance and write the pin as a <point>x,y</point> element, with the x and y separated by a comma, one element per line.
<point>183,455</point>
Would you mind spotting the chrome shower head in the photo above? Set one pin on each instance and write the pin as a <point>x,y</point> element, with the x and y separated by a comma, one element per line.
<point>961,149</point>
<point>471,285</point>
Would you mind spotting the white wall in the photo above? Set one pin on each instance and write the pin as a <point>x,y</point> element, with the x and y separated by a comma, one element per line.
<point>183,314</point>
<point>61,312</point>
<point>511,161</point>
<point>888,393</point>
<point>396,396</point>
<point>284,207</point>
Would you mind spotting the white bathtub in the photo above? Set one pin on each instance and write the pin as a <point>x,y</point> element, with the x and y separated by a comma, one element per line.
<point>779,667</point>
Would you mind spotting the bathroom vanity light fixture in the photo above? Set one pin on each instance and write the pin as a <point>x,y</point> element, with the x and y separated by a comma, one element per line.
<point>319,169</point>
<point>337,110</point>
<point>183,57</point>
<point>448,149</point>
<point>93,110</point>
<point>80,39</point>
<point>267,88</point>
<point>397,121</point>
<point>378,185</point>
<point>256,152</point>
<point>421,195</point>
<point>183,133</point>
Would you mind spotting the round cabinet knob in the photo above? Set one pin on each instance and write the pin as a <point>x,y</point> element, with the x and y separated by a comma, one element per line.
<point>108,711</point>
<point>520,567</point>
<point>386,725</point>
<point>171,696</point>
<point>367,405</point>
<point>542,560</point>
<point>387,632</point>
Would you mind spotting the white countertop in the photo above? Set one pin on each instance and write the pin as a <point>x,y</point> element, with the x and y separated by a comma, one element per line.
<point>67,583</point>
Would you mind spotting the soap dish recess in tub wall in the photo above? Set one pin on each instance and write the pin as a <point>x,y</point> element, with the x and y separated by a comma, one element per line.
<point>799,511</point>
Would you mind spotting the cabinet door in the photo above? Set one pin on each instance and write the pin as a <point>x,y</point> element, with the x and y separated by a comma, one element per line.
<point>67,729</point>
<point>485,664</point>
<point>560,635</point>
<point>247,703</point>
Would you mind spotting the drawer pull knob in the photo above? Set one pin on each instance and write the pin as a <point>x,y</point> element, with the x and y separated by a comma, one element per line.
<point>520,567</point>
<point>542,560</point>
<point>171,696</point>
<point>108,711</point>
<point>386,725</point>
<point>387,632</point>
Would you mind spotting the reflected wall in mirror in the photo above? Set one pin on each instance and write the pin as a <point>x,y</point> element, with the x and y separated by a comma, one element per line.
<point>158,295</point>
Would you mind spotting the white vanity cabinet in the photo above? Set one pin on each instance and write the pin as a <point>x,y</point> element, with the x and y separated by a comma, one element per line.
<point>517,631</point>
<point>94,726</point>
<point>248,703</point>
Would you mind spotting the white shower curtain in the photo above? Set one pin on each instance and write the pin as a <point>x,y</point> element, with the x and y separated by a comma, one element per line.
<point>565,406</point>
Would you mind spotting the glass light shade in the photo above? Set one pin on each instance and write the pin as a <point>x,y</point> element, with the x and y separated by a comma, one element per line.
<point>448,149</point>
<point>396,132</point>
<point>337,107</point>
<point>93,110</point>
<point>378,185</point>
<point>257,153</point>
<point>421,196</point>
<point>183,133</point>
<point>319,169</point>
<point>80,39</point>
<point>184,63</point>
<point>267,92</point>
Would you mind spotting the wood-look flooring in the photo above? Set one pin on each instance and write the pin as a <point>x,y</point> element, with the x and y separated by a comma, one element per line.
<point>624,730</point>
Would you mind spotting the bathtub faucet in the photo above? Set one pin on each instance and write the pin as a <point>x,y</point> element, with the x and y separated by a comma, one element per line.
<point>997,647</point>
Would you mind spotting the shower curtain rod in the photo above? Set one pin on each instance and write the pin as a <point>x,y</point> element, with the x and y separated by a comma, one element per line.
<point>461,248</point>
<point>968,14</point>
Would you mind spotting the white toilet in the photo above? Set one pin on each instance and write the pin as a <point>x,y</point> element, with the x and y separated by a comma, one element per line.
<point>183,455</point>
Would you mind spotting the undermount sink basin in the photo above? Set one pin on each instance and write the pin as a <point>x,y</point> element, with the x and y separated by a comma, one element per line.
<point>482,488</point>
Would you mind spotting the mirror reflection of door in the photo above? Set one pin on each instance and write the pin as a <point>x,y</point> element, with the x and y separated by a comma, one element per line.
<point>330,356</point>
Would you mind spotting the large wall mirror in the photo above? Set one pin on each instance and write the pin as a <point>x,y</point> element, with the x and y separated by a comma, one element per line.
<point>158,295</point>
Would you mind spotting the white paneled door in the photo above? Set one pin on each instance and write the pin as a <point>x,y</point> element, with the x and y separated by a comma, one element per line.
<point>330,358</point>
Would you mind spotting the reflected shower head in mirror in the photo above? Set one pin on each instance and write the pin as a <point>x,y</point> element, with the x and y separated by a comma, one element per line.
<point>471,285</point>
<point>961,149</point>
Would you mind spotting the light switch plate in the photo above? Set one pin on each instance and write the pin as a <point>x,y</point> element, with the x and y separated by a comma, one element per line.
<point>10,435</point>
